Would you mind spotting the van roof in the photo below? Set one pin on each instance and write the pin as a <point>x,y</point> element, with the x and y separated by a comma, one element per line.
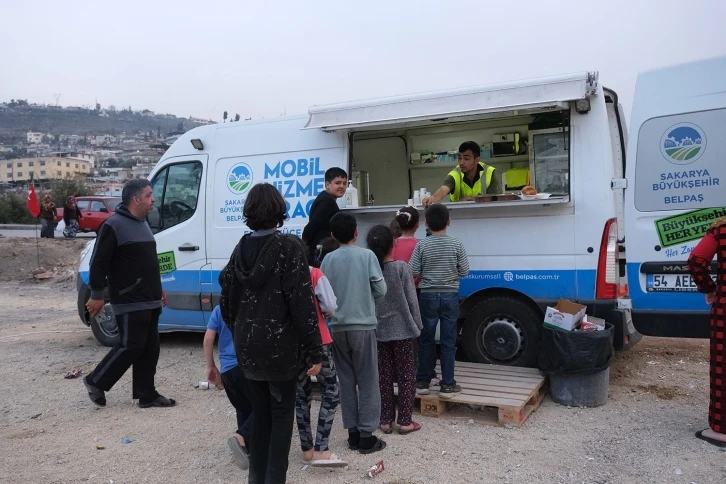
<point>532,94</point>
<point>681,88</point>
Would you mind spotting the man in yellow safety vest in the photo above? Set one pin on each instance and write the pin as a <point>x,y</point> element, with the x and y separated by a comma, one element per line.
<point>472,177</point>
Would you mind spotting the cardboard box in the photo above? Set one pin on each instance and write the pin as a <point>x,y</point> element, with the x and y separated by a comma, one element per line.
<point>600,323</point>
<point>565,316</point>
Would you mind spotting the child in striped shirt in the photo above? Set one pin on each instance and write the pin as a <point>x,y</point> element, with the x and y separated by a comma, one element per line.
<point>440,260</point>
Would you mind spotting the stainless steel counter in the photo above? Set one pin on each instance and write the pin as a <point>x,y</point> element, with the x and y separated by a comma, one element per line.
<point>466,205</point>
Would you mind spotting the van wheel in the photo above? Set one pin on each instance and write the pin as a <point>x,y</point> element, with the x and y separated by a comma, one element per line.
<point>502,330</point>
<point>106,332</point>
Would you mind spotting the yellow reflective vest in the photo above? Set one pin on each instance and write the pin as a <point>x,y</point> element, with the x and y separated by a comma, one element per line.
<point>462,190</point>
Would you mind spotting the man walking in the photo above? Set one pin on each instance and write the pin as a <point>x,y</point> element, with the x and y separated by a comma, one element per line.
<point>125,256</point>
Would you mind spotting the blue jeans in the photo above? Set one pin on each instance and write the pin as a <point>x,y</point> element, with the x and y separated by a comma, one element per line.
<point>437,307</point>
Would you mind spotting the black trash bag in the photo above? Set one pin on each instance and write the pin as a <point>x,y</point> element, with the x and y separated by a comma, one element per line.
<point>576,352</point>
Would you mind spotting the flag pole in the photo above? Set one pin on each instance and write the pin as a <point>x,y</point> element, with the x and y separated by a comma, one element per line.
<point>34,208</point>
<point>37,242</point>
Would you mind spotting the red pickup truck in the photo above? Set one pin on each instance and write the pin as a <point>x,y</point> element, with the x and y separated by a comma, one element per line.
<point>94,211</point>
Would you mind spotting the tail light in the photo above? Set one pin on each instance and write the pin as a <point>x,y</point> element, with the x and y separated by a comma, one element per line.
<point>608,264</point>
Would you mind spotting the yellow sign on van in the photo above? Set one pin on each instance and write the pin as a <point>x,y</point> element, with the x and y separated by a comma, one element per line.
<point>687,226</point>
<point>167,262</point>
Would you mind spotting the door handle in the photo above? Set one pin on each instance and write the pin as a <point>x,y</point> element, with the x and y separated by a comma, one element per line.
<point>188,247</point>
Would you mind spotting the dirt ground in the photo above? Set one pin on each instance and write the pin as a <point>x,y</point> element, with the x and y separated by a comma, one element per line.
<point>21,259</point>
<point>49,430</point>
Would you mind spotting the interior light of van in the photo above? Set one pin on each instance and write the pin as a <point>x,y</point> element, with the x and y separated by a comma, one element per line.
<point>608,264</point>
<point>582,106</point>
<point>197,144</point>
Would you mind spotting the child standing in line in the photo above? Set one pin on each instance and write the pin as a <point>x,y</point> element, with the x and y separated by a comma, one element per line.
<point>407,219</point>
<point>357,280</point>
<point>440,260</point>
<point>325,247</point>
<point>399,324</point>
<point>315,447</point>
<point>232,380</point>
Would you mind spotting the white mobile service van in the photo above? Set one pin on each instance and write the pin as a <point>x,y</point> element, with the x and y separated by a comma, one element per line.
<point>564,135</point>
<point>676,171</point>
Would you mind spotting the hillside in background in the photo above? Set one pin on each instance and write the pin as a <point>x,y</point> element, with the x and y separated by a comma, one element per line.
<point>16,121</point>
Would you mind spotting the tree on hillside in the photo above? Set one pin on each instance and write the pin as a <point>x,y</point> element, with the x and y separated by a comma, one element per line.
<point>13,209</point>
<point>224,117</point>
<point>236,117</point>
<point>69,186</point>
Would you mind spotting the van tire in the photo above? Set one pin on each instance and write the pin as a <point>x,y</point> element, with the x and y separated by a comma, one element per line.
<point>102,335</point>
<point>517,324</point>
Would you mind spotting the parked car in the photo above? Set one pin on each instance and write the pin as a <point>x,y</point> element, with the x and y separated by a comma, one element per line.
<point>94,211</point>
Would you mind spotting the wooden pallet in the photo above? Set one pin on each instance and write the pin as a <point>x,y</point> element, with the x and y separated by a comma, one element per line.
<point>515,392</point>
<point>512,391</point>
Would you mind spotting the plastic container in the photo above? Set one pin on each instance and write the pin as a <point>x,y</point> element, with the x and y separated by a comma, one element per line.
<point>578,364</point>
<point>351,196</point>
<point>580,390</point>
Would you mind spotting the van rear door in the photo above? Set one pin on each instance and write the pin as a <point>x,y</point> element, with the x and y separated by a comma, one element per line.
<point>676,172</point>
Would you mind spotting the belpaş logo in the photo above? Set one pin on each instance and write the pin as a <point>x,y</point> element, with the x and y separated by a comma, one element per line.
<point>683,143</point>
<point>239,178</point>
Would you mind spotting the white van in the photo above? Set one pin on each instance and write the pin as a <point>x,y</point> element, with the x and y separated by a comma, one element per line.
<point>676,189</point>
<point>564,135</point>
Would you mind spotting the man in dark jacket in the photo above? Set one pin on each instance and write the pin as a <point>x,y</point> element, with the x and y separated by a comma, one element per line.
<point>267,302</point>
<point>323,209</point>
<point>125,256</point>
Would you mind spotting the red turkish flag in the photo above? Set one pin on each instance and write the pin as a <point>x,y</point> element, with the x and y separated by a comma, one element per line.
<point>33,205</point>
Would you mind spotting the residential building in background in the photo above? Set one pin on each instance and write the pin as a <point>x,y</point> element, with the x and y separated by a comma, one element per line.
<point>142,170</point>
<point>42,168</point>
<point>35,138</point>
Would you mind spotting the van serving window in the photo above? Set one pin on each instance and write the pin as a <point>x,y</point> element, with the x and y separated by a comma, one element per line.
<point>390,167</point>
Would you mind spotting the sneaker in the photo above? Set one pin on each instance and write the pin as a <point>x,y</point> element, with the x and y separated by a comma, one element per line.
<point>422,388</point>
<point>449,391</point>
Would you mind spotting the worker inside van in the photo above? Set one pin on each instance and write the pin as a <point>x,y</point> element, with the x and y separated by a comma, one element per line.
<point>472,177</point>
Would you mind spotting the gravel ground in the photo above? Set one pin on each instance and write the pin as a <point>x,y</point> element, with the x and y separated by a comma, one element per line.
<point>49,429</point>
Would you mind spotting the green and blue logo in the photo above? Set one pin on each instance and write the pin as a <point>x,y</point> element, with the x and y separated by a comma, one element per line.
<point>683,143</point>
<point>239,178</point>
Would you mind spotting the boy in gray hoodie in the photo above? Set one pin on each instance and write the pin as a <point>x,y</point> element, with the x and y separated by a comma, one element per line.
<point>357,281</point>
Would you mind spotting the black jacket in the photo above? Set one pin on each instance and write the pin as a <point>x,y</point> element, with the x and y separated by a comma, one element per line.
<point>318,227</point>
<point>267,302</point>
<point>125,255</point>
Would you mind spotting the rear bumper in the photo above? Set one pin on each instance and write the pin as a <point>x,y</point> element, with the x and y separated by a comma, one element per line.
<point>626,334</point>
<point>672,324</point>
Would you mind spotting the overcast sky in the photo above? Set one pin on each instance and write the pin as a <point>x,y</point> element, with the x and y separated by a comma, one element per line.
<point>262,58</point>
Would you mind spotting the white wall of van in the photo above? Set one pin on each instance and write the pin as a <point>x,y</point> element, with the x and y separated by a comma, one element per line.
<point>523,255</point>
<point>676,172</point>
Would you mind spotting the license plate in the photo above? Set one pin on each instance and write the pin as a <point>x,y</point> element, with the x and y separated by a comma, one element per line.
<point>671,283</point>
